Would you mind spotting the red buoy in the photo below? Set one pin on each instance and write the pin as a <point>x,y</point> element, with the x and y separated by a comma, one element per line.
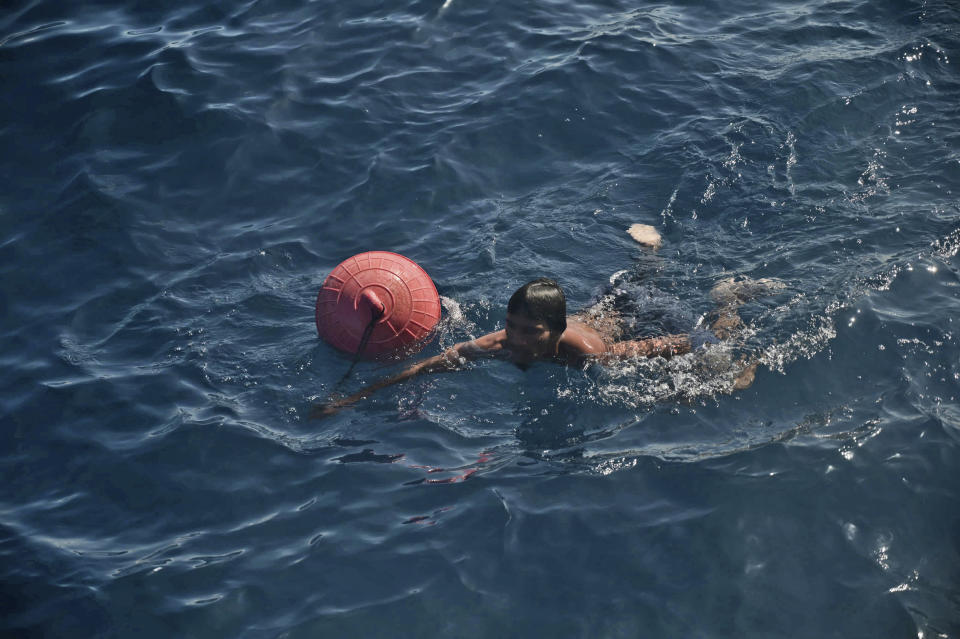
<point>373,283</point>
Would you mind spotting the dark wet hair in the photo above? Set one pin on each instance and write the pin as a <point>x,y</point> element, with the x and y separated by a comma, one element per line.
<point>542,300</point>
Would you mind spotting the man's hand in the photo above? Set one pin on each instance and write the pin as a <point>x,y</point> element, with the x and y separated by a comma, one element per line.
<point>329,408</point>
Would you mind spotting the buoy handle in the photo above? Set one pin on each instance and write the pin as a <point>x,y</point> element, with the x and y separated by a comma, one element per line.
<point>377,307</point>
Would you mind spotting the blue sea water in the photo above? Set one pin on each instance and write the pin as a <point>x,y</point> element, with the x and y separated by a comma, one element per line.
<point>177,183</point>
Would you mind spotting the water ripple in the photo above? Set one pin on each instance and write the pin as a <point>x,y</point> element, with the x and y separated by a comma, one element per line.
<point>180,179</point>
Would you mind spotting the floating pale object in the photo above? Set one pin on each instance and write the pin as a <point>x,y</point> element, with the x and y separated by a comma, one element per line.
<point>645,234</point>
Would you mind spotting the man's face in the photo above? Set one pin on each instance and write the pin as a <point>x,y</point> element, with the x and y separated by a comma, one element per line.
<point>529,339</point>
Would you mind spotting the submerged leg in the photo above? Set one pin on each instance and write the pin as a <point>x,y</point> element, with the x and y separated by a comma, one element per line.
<point>745,378</point>
<point>741,291</point>
<point>725,322</point>
<point>729,295</point>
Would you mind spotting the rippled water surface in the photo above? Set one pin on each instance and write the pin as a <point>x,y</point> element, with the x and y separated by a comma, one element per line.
<point>178,182</point>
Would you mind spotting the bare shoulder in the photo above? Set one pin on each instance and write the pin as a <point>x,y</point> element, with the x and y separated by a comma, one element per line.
<point>483,346</point>
<point>581,340</point>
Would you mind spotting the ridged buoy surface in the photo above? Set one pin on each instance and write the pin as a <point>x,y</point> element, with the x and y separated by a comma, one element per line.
<point>377,280</point>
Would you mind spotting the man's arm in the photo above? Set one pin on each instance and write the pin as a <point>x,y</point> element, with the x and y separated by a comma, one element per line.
<point>450,360</point>
<point>666,346</point>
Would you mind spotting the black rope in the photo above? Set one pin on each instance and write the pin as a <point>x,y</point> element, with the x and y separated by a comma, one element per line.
<point>367,332</point>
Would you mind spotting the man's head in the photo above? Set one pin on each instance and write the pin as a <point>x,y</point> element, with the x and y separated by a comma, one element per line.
<point>543,300</point>
<point>536,318</point>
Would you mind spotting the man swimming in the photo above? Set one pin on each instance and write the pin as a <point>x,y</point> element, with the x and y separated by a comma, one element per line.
<point>538,329</point>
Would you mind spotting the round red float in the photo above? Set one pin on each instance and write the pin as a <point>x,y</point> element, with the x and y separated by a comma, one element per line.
<point>377,282</point>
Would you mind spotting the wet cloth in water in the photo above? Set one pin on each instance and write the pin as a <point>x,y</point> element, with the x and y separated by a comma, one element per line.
<point>631,306</point>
